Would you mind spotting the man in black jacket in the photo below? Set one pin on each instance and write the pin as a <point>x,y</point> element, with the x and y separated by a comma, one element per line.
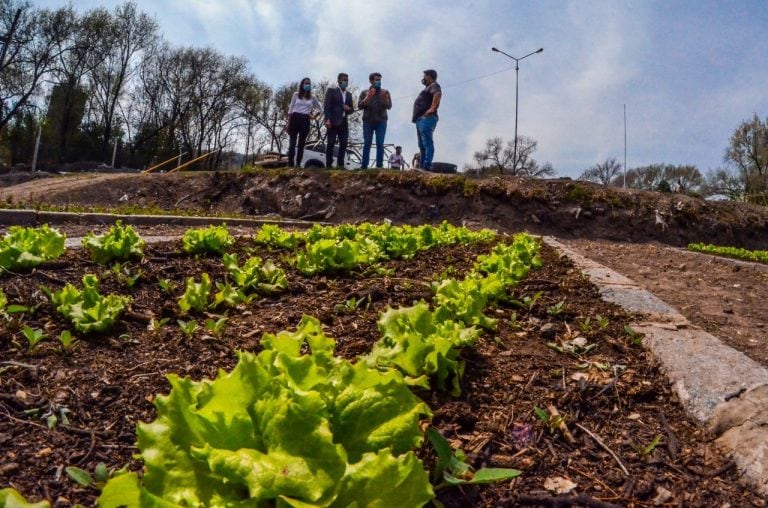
<point>337,105</point>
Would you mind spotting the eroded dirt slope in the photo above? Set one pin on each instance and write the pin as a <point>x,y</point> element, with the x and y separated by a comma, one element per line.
<point>561,207</point>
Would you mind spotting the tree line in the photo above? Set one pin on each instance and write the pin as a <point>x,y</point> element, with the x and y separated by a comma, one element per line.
<point>743,176</point>
<point>87,83</point>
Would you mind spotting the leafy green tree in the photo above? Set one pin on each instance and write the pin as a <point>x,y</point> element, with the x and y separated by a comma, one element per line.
<point>747,152</point>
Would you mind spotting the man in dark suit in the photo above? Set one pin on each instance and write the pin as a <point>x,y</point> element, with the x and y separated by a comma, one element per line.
<point>336,107</point>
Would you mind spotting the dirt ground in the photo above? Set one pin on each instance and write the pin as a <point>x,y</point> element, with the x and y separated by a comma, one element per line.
<point>632,232</point>
<point>724,299</point>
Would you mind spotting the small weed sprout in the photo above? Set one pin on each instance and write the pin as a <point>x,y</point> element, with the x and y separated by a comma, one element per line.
<point>33,336</point>
<point>552,422</point>
<point>166,286</point>
<point>216,327</point>
<point>585,325</point>
<point>528,302</point>
<point>602,321</point>
<point>645,451</point>
<point>156,324</point>
<point>187,327</point>
<point>556,309</point>
<point>635,337</point>
<point>67,340</point>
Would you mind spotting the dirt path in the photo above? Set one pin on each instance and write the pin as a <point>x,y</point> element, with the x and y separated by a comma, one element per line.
<point>727,301</point>
<point>38,188</point>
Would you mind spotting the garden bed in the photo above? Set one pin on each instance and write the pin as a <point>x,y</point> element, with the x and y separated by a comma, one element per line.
<point>615,402</point>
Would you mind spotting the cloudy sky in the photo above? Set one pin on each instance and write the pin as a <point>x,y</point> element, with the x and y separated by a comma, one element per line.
<point>688,71</point>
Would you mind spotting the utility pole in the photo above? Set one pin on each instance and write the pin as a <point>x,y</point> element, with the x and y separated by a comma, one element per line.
<point>114,154</point>
<point>625,146</point>
<point>37,145</point>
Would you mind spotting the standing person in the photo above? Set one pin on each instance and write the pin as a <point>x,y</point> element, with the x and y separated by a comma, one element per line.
<point>303,108</point>
<point>425,117</point>
<point>374,103</point>
<point>336,106</point>
<point>416,161</point>
<point>396,160</point>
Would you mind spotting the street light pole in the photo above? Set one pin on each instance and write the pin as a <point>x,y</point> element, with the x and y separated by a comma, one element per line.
<point>517,75</point>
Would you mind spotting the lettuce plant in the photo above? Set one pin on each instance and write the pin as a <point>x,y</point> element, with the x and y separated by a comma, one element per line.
<point>272,235</point>
<point>256,275</point>
<point>23,248</point>
<point>415,343</point>
<point>333,256</point>
<point>120,243</point>
<point>210,240</point>
<point>281,429</point>
<point>196,294</point>
<point>88,310</point>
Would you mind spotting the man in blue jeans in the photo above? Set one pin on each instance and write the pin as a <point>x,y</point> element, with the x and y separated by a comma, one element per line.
<point>374,102</point>
<point>425,116</point>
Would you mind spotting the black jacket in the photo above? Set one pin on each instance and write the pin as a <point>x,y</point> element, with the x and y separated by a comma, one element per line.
<point>333,107</point>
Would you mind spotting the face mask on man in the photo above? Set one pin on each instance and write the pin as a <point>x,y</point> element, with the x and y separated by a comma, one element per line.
<point>343,85</point>
<point>424,81</point>
<point>377,84</point>
<point>307,87</point>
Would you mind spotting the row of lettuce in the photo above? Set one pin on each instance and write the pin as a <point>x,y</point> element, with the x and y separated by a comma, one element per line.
<point>297,426</point>
<point>758,256</point>
<point>319,250</point>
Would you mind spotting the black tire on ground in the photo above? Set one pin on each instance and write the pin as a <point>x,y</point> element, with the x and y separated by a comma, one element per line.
<point>314,164</point>
<point>443,167</point>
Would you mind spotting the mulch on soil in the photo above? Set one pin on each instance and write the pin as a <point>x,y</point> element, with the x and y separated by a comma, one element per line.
<point>615,393</point>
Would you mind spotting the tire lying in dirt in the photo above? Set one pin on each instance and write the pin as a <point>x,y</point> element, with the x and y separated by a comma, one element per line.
<point>443,167</point>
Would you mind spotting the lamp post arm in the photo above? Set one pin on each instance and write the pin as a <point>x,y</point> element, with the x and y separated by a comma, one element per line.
<point>505,54</point>
<point>531,53</point>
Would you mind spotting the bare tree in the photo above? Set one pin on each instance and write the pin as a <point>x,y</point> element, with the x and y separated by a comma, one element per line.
<point>31,39</point>
<point>683,178</point>
<point>123,36</point>
<point>499,158</point>
<point>603,172</point>
<point>724,182</point>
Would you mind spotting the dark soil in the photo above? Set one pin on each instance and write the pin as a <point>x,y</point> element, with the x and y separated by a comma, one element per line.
<point>108,383</point>
<point>562,207</point>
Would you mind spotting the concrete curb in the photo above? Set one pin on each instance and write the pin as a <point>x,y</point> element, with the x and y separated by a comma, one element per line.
<point>719,387</point>
<point>34,217</point>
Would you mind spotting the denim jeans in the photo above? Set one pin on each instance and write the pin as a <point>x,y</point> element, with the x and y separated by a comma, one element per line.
<point>425,128</point>
<point>380,129</point>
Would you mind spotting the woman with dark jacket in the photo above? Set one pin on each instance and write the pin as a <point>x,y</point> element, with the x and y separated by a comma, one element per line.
<point>303,108</point>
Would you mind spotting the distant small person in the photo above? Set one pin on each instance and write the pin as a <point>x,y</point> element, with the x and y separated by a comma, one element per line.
<point>396,160</point>
<point>425,116</point>
<point>374,102</point>
<point>303,108</point>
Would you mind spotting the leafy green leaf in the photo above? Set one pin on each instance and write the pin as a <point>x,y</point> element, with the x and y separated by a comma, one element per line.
<point>80,476</point>
<point>10,498</point>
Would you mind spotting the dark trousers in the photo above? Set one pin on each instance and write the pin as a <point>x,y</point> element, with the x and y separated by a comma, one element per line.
<point>342,132</point>
<point>298,128</point>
